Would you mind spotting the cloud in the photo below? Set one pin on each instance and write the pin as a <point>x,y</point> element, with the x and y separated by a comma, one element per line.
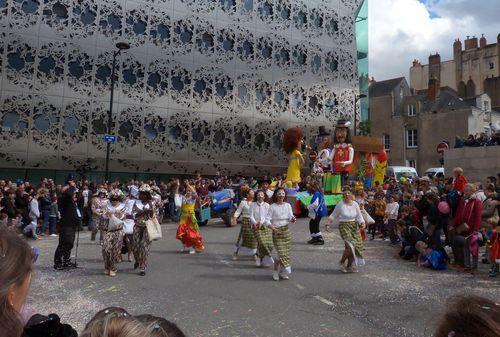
<point>403,30</point>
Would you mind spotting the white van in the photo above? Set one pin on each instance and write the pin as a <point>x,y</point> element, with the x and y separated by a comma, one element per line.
<point>434,172</point>
<point>397,172</point>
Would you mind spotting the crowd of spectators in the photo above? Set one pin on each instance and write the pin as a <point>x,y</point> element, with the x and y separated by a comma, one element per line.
<point>438,222</point>
<point>425,216</point>
<point>480,139</point>
<point>435,222</point>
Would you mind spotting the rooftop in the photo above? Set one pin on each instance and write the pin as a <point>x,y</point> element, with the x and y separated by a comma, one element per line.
<point>384,88</point>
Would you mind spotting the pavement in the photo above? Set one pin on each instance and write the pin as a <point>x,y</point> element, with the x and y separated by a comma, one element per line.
<point>209,294</point>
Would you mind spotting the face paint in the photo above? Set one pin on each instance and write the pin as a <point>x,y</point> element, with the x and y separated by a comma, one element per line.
<point>260,195</point>
<point>281,193</point>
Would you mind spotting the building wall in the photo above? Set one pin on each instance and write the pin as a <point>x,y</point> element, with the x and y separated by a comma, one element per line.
<point>435,128</point>
<point>476,65</point>
<point>206,84</point>
<point>448,75</point>
<point>419,76</point>
<point>381,111</point>
<point>472,63</point>
<point>477,162</point>
<point>432,129</point>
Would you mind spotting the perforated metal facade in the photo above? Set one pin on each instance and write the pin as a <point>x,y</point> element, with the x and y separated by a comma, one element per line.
<point>206,85</point>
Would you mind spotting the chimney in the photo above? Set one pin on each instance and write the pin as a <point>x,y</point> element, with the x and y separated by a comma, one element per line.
<point>434,59</point>
<point>482,41</point>
<point>471,43</point>
<point>433,89</point>
<point>457,46</point>
<point>416,63</point>
<point>435,66</point>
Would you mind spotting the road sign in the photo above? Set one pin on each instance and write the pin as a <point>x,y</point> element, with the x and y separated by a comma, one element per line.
<point>441,147</point>
<point>110,139</point>
<point>313,155</point>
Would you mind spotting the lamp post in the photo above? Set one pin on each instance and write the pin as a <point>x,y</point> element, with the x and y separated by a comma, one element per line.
<point>356,99</point>
<point>120,46</point>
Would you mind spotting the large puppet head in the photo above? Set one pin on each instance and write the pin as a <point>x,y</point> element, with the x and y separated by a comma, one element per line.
<point>342,134</point>
<point>292,139</point>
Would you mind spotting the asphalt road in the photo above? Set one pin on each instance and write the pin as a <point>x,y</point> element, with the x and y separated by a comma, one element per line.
<point>208,294</point>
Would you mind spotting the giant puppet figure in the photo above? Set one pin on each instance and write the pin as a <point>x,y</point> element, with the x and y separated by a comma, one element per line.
<point>342,155</point>
<point>292,143</point>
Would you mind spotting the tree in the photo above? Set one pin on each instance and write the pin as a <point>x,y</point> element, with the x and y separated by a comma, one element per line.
<point>365,128</point>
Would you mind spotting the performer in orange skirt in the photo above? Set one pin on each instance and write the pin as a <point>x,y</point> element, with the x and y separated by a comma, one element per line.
<point>188,231</point>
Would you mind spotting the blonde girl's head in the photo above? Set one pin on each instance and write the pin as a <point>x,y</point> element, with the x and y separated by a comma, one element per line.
<point>115,322</point>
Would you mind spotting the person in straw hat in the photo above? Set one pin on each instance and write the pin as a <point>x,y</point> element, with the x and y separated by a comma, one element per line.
<point>97,206</point>
<point>144,210</point>
<point>113,235</point>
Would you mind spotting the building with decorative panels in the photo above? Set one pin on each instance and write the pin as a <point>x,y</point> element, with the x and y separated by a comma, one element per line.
<point>207,85</point>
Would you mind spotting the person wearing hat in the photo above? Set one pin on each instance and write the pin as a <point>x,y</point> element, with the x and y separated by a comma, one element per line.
<point>97,207</point>
<point>70,220</point>
<point>342,155</point>
<point>144,210</point>
<point>128,225</point>
<point>113,235</point>
<point>324,159</point>
<point>266,187</point>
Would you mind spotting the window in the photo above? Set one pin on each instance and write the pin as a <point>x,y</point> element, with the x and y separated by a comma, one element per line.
<point>411,163</point>
<point>492,65</point>
<point>411,110</point>
<point>387,142</point>
<point>411,138</point>
<point>486,106</point>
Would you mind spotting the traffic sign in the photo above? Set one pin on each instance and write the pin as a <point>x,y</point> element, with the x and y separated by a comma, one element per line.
<point>441,147</point>
<point>110,139</point>
<point>313,155</point>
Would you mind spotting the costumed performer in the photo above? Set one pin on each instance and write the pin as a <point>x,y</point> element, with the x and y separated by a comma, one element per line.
<point>262,233</point>
<point>347,215</point>
<point>128,227</point>
<point>278,218</point>
<point>324,160</point>
<point>113,234</point>
<point>144,209</point>
<point>317,210</point>
<point>292,141</point>
<point>246,243</point>
<point>97,206</point>
<point>494,250</point>
<point>342,155</point>
<point>188,231</point>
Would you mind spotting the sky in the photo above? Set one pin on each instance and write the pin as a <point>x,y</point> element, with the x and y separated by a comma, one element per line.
<point>403,30</point>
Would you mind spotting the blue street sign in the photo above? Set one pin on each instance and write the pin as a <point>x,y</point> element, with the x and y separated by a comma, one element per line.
<point>110,139</point>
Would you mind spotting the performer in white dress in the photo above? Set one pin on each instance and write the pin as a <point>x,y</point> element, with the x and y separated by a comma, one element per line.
<point>263,234</point>
<point>278,218</point>
<point>347,215</point>
<point>246,243</point>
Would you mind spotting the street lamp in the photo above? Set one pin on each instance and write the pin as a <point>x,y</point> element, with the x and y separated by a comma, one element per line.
<point>120,46</point>
<point>356,99</point>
